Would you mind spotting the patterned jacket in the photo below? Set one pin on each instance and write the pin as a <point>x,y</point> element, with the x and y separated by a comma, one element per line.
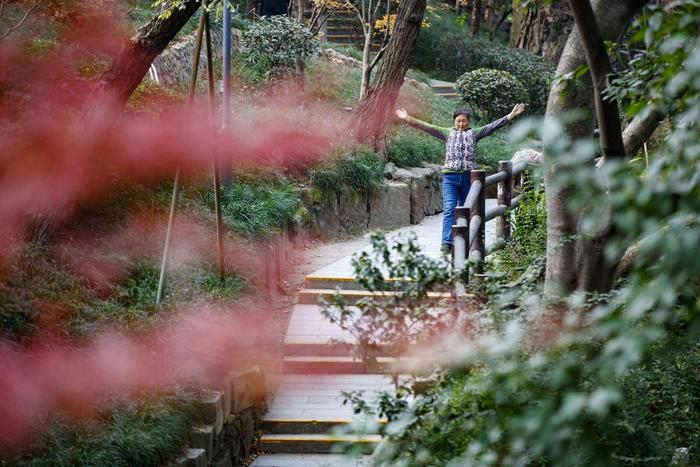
<point>460,147</point>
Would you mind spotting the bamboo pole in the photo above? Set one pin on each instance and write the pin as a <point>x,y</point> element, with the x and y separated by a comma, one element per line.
<point>217,179</point>
<point>176,183</point>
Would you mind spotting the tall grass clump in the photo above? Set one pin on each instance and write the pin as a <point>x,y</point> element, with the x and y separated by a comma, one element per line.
<point>357,169</point>
<point>258,207</point>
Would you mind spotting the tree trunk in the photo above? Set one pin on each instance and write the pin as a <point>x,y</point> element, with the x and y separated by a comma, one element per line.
<point>542,29</point>
<point>131,64</point>
<point>489,12</point>
<point>366,70</point>
<point>377,105</point>
<point>476,17</point>
<point>575,264</point>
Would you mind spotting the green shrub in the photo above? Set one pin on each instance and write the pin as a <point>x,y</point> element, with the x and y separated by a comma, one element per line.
<point>493,92</point>
<point>277,43</point>
<point>358,169</point>
<point>450,55</point>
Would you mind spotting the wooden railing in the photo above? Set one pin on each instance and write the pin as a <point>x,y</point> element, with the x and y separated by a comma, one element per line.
<point>469,231</point>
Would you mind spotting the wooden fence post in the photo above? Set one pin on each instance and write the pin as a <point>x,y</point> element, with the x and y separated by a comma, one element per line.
<point>503,198</point>
<point>480,210</point>
<point>461,229</point>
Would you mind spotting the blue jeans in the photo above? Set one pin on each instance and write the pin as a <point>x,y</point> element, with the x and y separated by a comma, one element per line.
<point>455,187</point>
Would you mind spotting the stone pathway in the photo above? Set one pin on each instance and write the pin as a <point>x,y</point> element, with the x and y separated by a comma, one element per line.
<point>307,406</point>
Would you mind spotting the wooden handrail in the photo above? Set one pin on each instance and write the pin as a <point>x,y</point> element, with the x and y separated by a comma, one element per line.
<point>474,226</point>
<point>498,177</point>
<point>471,217</point>
<point>473,194</point>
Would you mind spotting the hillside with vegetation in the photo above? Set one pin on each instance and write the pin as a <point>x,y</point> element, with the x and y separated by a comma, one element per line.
<point>583,348</point>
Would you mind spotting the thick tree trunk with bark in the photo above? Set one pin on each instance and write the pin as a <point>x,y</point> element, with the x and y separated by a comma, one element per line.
<point>573,263</point>
<point>541,29</point>
<point>131,65</point>
<point>377,105</point>
<point>476,17</point>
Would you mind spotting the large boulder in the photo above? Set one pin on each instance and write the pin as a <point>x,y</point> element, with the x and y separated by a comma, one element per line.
<point>435,200</point>
<point>424,185</point>
<point>390,206</point>
<point>529,156</point>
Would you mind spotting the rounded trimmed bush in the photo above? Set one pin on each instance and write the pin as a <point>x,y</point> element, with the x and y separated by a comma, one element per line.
<point>493,92</point>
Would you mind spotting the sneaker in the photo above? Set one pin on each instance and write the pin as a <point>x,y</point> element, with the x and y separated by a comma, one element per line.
<point>445,249</point>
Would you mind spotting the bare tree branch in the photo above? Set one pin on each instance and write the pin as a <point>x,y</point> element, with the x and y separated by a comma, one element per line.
<point>21,21</point>
<point>598,61</point>
<point>377,58</point>
<point>640,129</point>
<point>492,32</point>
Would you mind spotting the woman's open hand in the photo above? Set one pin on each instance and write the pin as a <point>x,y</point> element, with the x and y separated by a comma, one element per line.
<point>401,113</point>
<point>517,110</point>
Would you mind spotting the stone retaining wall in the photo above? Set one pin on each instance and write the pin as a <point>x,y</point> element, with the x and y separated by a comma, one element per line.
<point>175,63</point>
<point>406,197</point>
<point>231,417</point>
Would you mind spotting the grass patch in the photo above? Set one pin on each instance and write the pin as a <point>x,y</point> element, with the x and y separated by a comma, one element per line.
<point>333,82</point>
<point>124,433</point>
<point>38,290</point>
<point>357,169</point>
<point>408,147</point>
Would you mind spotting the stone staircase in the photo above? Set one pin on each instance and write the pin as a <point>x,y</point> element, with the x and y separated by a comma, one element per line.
<point>343,27</point>
<point>298,429</point>
<point>307,406</point>
<point>443,88</point>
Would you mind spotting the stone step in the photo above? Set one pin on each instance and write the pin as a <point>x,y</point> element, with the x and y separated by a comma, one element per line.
<point>295,348</point>
<point>316,443</point>
<point>309,460</point>
<point>333,365</point>
<point>343,14</point>
<point>343,39</point>
<point>311,296</point>
<point>306,426</point>
<point>343,29</point>
<point>298,348</point>
<point>450,88</point>
<point>342,282</point>
<point>351,23</point>
<point>319,397</point>
<point>320,365</point>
